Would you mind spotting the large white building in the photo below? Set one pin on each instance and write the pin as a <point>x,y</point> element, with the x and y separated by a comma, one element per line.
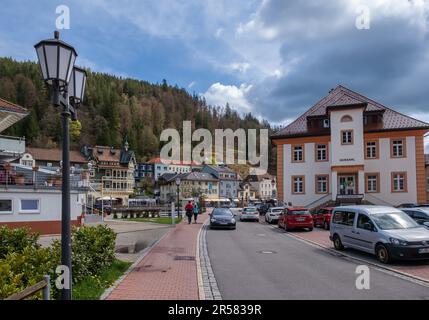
<point>348,147</point>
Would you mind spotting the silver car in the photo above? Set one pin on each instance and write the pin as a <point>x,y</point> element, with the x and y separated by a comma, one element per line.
<point>273,214</point>
<point>249,213</point>
<point>387,232</point>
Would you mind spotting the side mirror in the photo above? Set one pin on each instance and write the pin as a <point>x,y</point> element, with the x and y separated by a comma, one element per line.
<point>426,223</point>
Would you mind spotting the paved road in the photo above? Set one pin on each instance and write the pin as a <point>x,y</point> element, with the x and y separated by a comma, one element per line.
<point>296,270</point>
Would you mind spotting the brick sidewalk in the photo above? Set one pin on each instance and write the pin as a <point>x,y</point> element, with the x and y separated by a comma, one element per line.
<point>418,269</point>
<point>168,271</point>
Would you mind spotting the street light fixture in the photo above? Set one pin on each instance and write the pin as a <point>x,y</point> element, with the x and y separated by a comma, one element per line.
<point>56,60</point>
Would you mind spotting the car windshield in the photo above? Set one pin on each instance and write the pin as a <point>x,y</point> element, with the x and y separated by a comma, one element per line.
<point>393,220</point>
<point>298,212</point>
<point>277,210</point>
<point>250,209</point>
<point>222,212</point>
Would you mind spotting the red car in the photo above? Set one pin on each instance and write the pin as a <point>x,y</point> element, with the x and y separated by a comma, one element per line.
<point>322,218</point>
<point>296,218</point>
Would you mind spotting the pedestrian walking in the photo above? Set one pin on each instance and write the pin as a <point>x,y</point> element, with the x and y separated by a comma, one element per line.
<point>196,212</point>
<point>189,208</point>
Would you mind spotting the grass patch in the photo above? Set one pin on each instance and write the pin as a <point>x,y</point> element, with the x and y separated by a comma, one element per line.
<point>161,220</point>
<point>92,287</point>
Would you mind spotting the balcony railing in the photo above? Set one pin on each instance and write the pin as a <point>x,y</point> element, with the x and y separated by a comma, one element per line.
<point>10,144</point>
<point>23,177</point>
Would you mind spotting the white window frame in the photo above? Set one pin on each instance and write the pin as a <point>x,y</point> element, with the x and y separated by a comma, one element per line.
<point>38,210</point>
<point>298,153</point>
<point>395,148</point>
<point>397,178</point>
<point>372,150</point>
<point>322,149</point>
<point>7,212</point>
<point>322,181</point>
<point>372,182</point>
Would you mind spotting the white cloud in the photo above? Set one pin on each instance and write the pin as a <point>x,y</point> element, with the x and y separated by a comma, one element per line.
<point>219,94</point>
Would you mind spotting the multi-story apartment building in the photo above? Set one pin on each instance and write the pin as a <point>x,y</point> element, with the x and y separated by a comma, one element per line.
<point>178,167</point>
<point>144,170</point>
<point>192,185</point>
<point>348,147</point>
<point>112,172</point>
<point>229,180</point>
<point>265,186</point>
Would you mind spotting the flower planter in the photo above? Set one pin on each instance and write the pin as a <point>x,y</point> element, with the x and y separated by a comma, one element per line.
<point>20,180</point>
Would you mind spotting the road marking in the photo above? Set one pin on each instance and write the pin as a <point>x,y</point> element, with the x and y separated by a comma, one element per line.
<point>378,267</point>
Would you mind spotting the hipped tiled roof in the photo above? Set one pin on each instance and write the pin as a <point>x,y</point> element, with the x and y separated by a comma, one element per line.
<point>342,96</point>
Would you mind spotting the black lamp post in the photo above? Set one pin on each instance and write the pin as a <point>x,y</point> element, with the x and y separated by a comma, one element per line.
<point>56,60</point>
<point>178,193</point>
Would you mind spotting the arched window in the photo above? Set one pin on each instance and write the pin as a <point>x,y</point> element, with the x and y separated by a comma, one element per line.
<point>346,118</point>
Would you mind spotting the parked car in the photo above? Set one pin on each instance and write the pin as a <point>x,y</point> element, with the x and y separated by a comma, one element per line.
<point>322,218</point>
<point>222,218</point>
<point>387,232</point>
<point>419,214</point>
<point>249,213</point>
<point>296,218</point>
<point>412,205</point>
<point>273,214</point>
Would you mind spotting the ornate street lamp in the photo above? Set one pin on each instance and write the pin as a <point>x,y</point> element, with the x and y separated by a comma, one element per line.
<point>56,60</point>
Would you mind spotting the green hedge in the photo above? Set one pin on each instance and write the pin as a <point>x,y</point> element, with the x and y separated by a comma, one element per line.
<point>23,262</point>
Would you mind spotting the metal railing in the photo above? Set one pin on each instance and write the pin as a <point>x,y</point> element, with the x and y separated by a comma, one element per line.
<point>43,286</point>
<point>319,201</point>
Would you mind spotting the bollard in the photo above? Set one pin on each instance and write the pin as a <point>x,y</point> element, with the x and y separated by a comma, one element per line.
<point>47,288</point>
<point>173,211</point>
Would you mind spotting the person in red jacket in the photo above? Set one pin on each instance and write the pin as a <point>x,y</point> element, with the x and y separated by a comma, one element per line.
<point>189,208</point>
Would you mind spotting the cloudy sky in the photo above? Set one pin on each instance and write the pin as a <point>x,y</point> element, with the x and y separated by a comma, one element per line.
<point>272,57</point>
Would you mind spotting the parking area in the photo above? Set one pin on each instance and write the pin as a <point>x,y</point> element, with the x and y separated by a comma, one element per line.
<point>417,269</point>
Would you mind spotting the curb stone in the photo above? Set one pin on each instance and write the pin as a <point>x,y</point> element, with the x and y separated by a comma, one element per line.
<point>207,284</point>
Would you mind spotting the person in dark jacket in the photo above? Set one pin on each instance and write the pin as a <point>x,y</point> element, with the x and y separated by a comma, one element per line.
<point>189,208</point>
<point>196,212</point>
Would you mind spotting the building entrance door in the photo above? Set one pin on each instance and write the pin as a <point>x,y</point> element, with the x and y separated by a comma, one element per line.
<point>347,184</point>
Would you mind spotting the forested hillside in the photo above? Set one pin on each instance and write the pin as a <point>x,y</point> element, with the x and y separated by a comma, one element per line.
<point>113,108</point>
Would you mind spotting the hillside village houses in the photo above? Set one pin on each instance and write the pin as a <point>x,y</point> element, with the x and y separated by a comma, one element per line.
<point>348,147</point>
<point>112,172</point>
<point>265,185</point>
<point>229,180</point>
<point>193,184</point>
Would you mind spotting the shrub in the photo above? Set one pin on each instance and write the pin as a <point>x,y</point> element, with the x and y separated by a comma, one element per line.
<point>19,270</point>
<point>25,262</point>
<point>16,240</point>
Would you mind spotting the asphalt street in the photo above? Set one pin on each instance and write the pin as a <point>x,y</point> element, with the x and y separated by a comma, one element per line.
<point>258,261</point>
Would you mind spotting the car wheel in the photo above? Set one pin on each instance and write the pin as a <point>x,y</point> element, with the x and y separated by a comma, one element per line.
<point>326,225</point>
<point>338,245</point>
<point>383,254</point>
